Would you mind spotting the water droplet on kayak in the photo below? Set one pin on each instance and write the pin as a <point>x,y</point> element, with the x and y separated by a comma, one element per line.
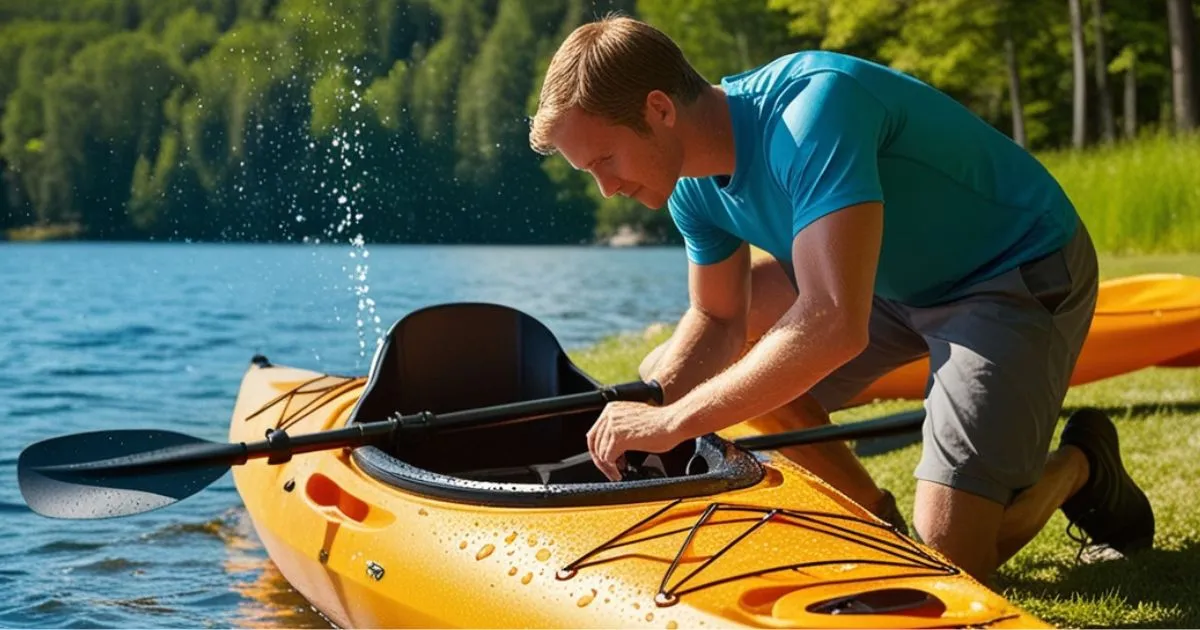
<point>462,545</point>
<point>532,540</point>
<point>671,625</point>
<point>422,512</point>
<point>586,599</point>
<point>526,578</point>
<point>649,616</point>
<point>511,537</point>
<point>485,551</point>
<point>637,606</point>
<point>512,571</point>
<point>543,555</point>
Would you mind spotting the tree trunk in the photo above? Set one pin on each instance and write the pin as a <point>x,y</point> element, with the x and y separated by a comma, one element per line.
<point>743,50</point>
<point>1130,109</point>
<point>1107,128</point>
<point>1014,88</point>
<point>1079,124</point>
<point>1181,20</point>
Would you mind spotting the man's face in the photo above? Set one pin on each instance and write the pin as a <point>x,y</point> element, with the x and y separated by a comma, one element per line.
<point>643,167</point>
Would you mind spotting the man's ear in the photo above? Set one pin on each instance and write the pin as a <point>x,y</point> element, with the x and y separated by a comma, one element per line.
<point>660,109</point>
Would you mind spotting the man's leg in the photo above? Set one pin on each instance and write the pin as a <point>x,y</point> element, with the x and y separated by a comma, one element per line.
<point>979,534</point>
<point>892,345</point>
<point>1002,359</point>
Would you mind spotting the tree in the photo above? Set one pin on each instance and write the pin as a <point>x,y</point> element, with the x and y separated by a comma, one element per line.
<point>1181,20</point>
<point>1079,75</point>
<point>1014,81</point>
<point>30,52</point>
<point>1107,127</point>
<point>102,112</point>
<point>721,38</point>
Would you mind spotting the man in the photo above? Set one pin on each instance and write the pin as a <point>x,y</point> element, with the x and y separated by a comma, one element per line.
<point>902,225</point>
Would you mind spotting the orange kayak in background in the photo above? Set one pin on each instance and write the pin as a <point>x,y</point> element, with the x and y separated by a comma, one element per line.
<point>1140,321</point>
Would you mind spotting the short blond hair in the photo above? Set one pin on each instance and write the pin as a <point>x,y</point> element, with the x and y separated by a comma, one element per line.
<point>607,68</point>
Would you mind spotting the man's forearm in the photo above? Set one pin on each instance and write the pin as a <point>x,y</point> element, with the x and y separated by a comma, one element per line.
<point>700,348</point>
<point>785,364</point>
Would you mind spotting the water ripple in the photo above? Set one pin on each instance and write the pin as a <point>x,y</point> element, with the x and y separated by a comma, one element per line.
<point>112,565</point>
<point>69,545</point>
<point>61,372</point>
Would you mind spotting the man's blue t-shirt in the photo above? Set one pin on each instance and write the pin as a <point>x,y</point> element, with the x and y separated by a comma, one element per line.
<point>819,131</point>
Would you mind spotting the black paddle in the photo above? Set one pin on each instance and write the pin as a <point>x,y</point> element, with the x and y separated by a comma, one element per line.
<point>118,473</point>
<point>103,474</point>
<point>895,424</point>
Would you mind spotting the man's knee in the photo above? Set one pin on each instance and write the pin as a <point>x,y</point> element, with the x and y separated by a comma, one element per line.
<point>964,527</point>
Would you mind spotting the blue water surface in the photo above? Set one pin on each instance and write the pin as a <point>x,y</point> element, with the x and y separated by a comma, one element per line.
<point>126,336</point>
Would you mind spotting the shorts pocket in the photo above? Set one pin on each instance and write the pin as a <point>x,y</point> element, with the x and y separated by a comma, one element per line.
<point>1048,280</point>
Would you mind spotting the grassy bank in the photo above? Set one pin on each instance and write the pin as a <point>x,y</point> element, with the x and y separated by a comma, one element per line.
<point>1158,414</point>
<point>1136,197</point>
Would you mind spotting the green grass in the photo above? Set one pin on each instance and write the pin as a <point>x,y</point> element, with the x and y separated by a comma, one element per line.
<point>1136,197</point>
<point>1157,411</point>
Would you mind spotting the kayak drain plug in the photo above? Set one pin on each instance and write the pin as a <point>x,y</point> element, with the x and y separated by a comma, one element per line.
<point>375,570</point>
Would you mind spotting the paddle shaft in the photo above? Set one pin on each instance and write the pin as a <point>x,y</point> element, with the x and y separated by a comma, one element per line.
<point>279,447</point>
<point>903,422</point>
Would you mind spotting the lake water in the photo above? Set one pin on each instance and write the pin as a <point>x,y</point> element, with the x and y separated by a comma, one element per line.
<point>125,336</point>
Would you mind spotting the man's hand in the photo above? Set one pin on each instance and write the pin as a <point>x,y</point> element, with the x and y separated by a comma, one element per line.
<point>626,426</point>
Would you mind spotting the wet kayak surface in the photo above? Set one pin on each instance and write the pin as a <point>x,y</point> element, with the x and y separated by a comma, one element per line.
<point>126,336</point>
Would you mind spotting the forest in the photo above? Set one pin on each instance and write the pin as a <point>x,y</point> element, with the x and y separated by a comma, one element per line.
<point>406,120</point>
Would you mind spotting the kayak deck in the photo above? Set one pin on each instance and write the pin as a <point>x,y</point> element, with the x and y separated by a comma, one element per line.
<point>425,531</point>
<point>786,551</point>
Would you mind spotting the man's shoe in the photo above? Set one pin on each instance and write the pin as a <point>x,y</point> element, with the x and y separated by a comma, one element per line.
<point>1110,508</point>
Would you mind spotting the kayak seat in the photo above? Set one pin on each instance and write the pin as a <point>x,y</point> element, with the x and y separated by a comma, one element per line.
<point>458,356</point>
<point>467,355</point>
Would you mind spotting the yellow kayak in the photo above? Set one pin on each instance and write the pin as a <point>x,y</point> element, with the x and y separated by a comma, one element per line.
<point>1140,321</point>
<point>512,525</point>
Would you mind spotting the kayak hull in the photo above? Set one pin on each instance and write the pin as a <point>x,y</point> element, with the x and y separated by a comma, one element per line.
<point>1140,321</point>
<point>774,554</point>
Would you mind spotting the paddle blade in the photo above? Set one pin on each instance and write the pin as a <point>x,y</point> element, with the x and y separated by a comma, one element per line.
<point>105,474</point>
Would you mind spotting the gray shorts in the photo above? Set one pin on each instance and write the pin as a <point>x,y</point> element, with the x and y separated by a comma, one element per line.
<point>1001,359</point>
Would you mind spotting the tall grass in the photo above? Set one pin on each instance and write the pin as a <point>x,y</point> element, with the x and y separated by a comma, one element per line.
<point>1141,196</point>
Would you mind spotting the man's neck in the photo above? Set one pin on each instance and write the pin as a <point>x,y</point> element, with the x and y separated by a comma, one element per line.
<point>707,136</point>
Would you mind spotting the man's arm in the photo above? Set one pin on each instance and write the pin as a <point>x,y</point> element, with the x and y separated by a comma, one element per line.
<point>835,259</point>
<point>712,333</point>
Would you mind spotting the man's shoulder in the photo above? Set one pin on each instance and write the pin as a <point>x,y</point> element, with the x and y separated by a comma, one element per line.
<point>797,68</point>
<point>691,195</point>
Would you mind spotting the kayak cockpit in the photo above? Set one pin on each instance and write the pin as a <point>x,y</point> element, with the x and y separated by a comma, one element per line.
<point>462,356</point>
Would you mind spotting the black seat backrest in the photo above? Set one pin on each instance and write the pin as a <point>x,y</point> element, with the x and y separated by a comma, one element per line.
<point>461,356</point>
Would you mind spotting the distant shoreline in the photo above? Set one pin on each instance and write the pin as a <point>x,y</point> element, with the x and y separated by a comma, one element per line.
<point>33,234</point>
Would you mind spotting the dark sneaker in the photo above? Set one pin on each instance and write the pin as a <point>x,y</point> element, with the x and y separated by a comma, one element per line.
<point>1110,508</point>
<point>886,509</point>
